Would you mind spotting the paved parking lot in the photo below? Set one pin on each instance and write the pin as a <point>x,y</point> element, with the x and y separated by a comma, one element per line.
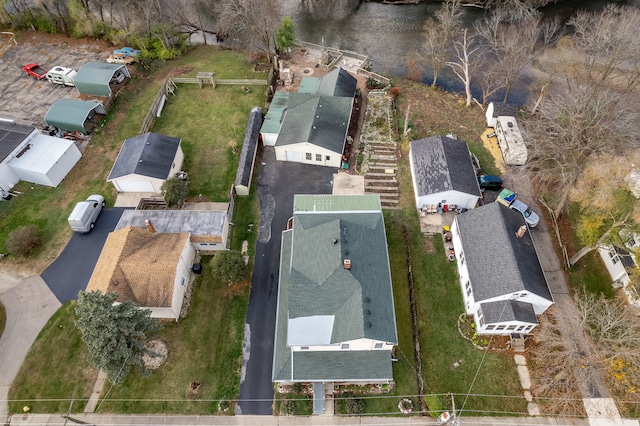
<point>23,97</point>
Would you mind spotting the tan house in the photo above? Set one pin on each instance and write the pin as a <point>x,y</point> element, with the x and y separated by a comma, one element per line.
<point>152,269</point>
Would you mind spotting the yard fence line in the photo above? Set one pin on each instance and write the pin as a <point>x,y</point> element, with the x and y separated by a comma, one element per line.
<point>167,87</point>
<point>377,77</point>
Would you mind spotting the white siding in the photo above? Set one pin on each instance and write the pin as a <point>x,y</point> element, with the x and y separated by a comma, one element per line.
<point>269,139</point>
<point>353,345</point>
<point>614,265</point>
<point>335,159</point>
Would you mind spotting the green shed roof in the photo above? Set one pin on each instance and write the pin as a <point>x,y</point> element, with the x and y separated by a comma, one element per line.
<point>71,114</point>
<point>273,119</point>
<point>309,85</point>
<point>93,78</point>
<point>314,285</point>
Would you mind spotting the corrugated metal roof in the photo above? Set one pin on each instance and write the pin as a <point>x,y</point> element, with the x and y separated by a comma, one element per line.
<point>336,203</point>
<point>309,85</point>
<point>273,120</point>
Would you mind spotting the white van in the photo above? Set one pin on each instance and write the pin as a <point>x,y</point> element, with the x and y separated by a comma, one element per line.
<point>61,75</point>
<point>83,217</point>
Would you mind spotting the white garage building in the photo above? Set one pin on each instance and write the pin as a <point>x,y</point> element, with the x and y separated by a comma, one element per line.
<point>26,154</point>
<point>145,162</point>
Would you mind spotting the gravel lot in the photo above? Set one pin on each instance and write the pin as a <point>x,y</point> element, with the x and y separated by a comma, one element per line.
<point>23,97</point>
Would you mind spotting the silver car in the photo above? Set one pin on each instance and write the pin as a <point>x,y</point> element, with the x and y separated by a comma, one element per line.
<point>530,216</point>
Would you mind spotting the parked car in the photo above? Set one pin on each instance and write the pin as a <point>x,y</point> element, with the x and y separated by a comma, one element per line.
<point>530,216</point>
<point>118,77</point>
<point>127,51</point>
<point>120,58</point>
<point>35,70</point>
<point>490,182</point>
<point>83,217</point>
<point>61,75</point>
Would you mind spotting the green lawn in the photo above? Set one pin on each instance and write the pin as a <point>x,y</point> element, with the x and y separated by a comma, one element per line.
<point>207,120</point>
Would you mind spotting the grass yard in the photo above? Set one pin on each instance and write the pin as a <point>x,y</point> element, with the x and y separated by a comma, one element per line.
<point>206,346</point>
<point>208,121</point>
<point>56,369</point>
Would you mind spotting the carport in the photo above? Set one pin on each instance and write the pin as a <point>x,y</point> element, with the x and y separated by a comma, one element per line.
<point>73,115</point>
<point>94,78</point>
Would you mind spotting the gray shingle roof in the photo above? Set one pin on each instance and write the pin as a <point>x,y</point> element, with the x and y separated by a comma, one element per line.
<point>499,262</point>
<point>338,83</point>
<point>149,154</point>
<point>197,222</point>
<point>320,120</point>
<point>12,135</point>
<point>247,155</point>
<point>443,164</point>
<point>313,281</point>
<point>508,310</point>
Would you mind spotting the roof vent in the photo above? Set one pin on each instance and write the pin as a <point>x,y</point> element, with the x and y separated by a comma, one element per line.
<point>139,161</point>
<point>369,324</point>
<point>347,264</point>
<point>334,241</point>
<point>509,123</point>
<point>521,231</point>
<point>150,227</point>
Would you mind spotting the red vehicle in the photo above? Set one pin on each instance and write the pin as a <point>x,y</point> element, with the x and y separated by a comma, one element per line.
<point>35,70</point>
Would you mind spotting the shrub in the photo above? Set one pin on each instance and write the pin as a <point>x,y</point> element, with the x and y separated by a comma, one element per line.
<point>23,240</point>
<point>354,405</point>
<point>394,92</point>
<point>174,190</point>
<point>229,265</point>
<point>288,407</point>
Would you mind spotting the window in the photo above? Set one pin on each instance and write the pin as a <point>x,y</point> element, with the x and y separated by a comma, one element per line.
<point>511,327</point>
<point>490,327</point>
<point>182,281</point>
<point>344,346</point>
<point>500,327</point>
<point>304,348</point>
<point>522,295</point>
<point>328,158</point>
<point>318,157</point>
<point>461,257</point>
<point>308,156</point>
<point>378,346</point>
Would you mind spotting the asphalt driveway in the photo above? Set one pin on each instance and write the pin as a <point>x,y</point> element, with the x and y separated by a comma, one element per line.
<point>278,182</point>
<point>71,271</point>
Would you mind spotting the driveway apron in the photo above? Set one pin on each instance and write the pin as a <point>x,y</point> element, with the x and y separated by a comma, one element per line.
<point>278,183</point>
<point>71,271</point>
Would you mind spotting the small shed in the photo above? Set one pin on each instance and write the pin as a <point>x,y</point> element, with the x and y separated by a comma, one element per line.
<point>74,115</point>
<point>443,173</point>
<point>145,162</point>
<point>26,154</point>
<point>97,78</point>
<point>273,120</point>
<point>248,155</point>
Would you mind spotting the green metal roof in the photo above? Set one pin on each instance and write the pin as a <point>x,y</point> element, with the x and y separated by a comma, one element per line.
<point>313,281</point>
<point>309,85</point>
<point>70,114</point>
<point>93,78</point>
<point>273,120</point>
<point>321,120</point>
<point>333,203</point>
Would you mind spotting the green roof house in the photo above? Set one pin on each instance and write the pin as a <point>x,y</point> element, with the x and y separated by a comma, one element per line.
<point>335,319</point>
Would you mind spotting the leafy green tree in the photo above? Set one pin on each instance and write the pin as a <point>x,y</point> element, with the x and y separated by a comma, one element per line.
<point>174,190</point>
<point>229,265</point>
<point>286,34</point>
<point>115,334</point>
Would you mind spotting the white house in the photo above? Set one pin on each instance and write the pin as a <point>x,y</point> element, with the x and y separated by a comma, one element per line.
<point>145,162</point>
<point>503,285</point>
<point>26,154</point>
<point>443,173</point>
<point>335,319</point>
<point>150,268</point>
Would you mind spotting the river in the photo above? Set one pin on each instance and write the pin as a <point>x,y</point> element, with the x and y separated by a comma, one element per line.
<point>392,34</point>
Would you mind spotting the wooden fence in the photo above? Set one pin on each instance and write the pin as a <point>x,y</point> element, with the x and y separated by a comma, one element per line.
<point>167,87</point>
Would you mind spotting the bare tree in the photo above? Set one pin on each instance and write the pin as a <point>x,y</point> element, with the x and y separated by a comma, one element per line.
<point>438,34</point>
<point>512,46</point>
<point>253,22</point>
<point>571,128</point>
<point>463,63</point>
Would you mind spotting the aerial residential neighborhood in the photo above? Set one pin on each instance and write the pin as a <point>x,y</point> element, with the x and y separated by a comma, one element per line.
<point>204,223</point>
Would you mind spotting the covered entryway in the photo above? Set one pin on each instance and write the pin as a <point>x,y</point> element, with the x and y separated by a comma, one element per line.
<point>293,156</point>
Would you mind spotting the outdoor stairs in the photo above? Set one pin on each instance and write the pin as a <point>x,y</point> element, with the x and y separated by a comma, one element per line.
<point>380,177</point>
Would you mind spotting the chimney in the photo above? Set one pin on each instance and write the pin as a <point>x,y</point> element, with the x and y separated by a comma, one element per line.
<point>521,231</point>
<point>347,264</point>
<point>150,227</point>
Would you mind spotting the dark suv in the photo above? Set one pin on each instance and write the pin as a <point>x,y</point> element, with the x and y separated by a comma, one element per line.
<point>490,182</point>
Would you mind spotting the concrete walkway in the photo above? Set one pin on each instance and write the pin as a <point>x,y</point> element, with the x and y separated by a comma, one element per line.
<point>29,304</point>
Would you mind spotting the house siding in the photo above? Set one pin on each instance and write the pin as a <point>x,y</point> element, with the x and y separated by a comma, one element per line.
<point>335,159</point>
